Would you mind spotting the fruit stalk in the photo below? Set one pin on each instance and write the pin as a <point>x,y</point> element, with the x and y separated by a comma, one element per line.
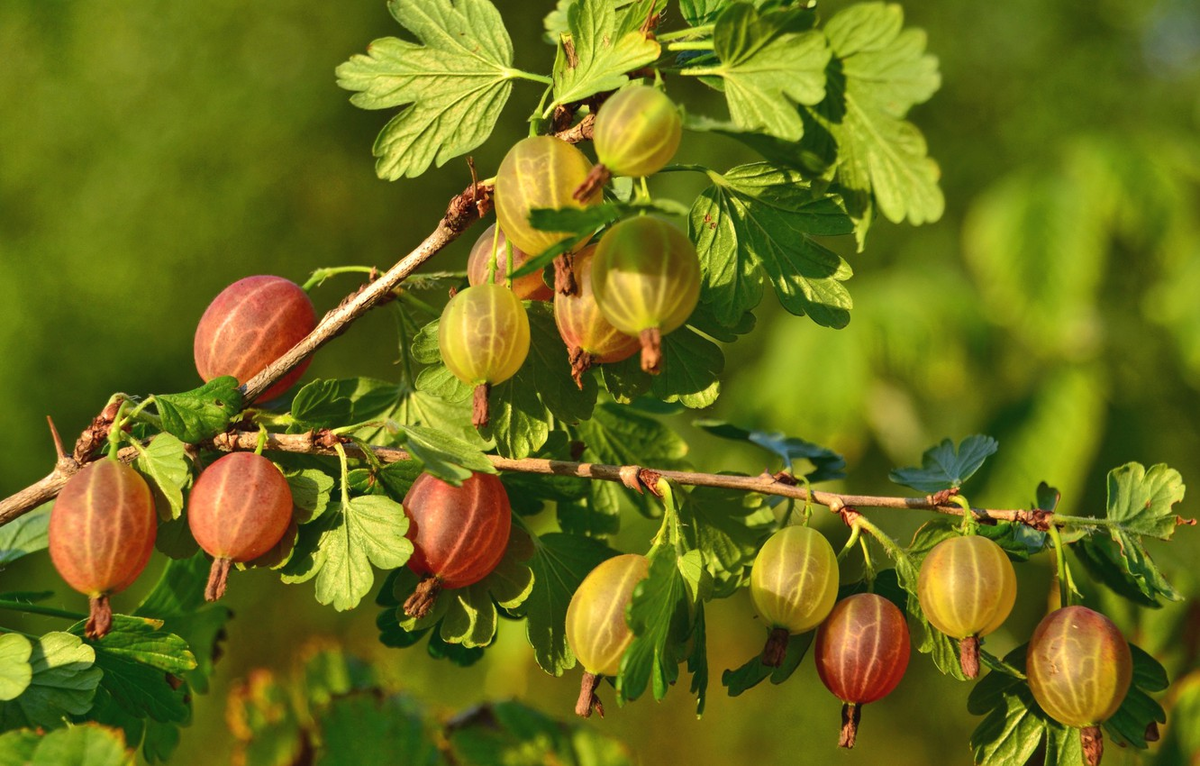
<point>421,602</point>
<point>652,355</point>
<point>218,578</point>
<point>588,701</point>
<point>851,715</point>
<point>776,648</point>
<point>480,412</point>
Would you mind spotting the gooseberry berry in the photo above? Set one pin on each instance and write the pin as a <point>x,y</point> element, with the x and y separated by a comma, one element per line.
<point>102,530</point>
<point>239,509</point>
<point>637,132</point>
<point>967,587</point>
<point>530,287</point>
<point>793,584</point>
<point>590,338</point>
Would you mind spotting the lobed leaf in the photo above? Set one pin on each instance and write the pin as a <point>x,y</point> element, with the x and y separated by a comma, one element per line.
<point>63,681</point>
<point>603,43</point>
<point>201,413</point>
<point>824,463</point>
<point>943,467</point>
<point>164,464</point>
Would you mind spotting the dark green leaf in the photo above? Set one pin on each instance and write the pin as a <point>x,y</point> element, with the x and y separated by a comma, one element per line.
<point>449,459</point>
<point>755,672</point>
<point>1129,724</point>
<point>509,733</point>
<point>320,404</point>
<point>455,82</point>
<point>202,413</point>
<point>942,467</point>
<point>728,527</point>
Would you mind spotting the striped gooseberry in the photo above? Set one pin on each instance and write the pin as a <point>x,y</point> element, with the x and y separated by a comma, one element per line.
<point>597,631</point>
<point>590,338</point>
<point>538,172</point>
<point>861,654</point>
<point>459,534</point>
<point>793,584</point>
<point>102,530</point>
<point>484,339</point>
<point>248,326</point>
<point>646,277</point>
<point>637,132</point>
<point>530,287</point>
<point>967,587</point>
<point>1079,668</point>
<point>239,509</point>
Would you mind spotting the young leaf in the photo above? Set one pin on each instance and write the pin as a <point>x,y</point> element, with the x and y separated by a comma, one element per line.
<point>826,465</point>
<point>944,468</point>
<point>201,413</point>
<point>603,44</point>
<point>761,220</point>
<point>24,535</point>
<point>878,73</point>
<point>559,564</point>
<point>15,671</point>
<point>455,83</point>
<point>311,490</point>
<point>62,683</point>
<point>1141,502</point>
<point>165,465</point>
<point>349,538</point>
<point>769,63</point>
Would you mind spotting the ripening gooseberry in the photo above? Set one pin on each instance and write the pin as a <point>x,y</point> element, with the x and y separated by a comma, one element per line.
<point>102,530</point>
<point>637,131</point>
<point>793,584</point>
<point>250,324</point>
<point>538,172</point>
<point>459,534</point>
<point>596,628</point>
<point>861,654</point>
<point>646,277</point>
<point>1079,668</point>
<point>484,339</point>
<point>530,287</point>
<point>967,587</point>
<point>239,509</point>
<point>590,338</point>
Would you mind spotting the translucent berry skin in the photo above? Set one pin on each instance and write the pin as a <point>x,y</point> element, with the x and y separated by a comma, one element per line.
<point>250,324</point>
<point>967,586</point>
<point>862,649</point>
<point>484,334</point>
<point>1079,666</point>
<point>637,131</point>
<point>459,534</point>
<point>646,275</point>
<point>240,507</point>
<point>596,628</point>
<point>530,287</point>
<point>581,323</point>
<point>538,172</point>
<point>794,580</point>
<point>102,528</point>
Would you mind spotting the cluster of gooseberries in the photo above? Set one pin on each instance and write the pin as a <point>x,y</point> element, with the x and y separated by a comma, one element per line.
<point>639,282</point>
<point>1079,666</point>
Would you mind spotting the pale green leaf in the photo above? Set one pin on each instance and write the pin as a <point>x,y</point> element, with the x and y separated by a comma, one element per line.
<point>602,44</point>
<point>165,464</point>
<point>353,536</point>
<point>15,671</point>
<point>63,683</point>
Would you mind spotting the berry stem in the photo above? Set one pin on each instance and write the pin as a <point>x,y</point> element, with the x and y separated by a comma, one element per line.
<point>652,356</point>
<point>581,362</point>
<point>596,179</point>
<point>218,578</point>
<point>100,617</point>
<point>588,701</point>
<point>851,715</point>
<point>968,656</point>
<point>776,648</point>
<point>564,275</point>
<point>480,412</point>
<point>421,602</point>
<point>1092,740</point>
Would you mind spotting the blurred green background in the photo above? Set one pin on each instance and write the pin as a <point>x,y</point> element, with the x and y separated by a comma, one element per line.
<point>152,153</point>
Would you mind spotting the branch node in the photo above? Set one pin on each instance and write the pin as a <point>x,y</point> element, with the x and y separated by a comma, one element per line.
<point>326,439</point>
<point>629,477</point>
<point>941,497</point>
<point>649,479</point>
<point>785,477</point>
<point>849,515</point>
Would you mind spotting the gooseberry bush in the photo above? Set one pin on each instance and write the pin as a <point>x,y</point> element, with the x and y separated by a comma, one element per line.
<point>488,479</point>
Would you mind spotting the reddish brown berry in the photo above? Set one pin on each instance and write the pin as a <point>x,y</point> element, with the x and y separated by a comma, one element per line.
<point>530,287</point>
<point>102,532</point>
<point>239,509</point>
<point>250,324</point>
<point>590,338</point>
<point>459,534</point>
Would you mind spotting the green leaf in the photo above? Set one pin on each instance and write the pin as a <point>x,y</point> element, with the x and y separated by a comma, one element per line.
<point>602,45</point>
<point>823,464</point>
<point>165,465</point>
<point>455,82</point>
<point>617,435</point>
<point>351,537</point>
<point>559,564</point>
<point>320,404</point>
<point>62,684</point>
<point>201,413</point>
<point>728,527</point>
<point>450,459</point>
<point>1129,724</point>
<point>942,467</point>
<point>311,489</point>
<point>453,418</point>
<point>769,63</point>
<point>509,733</point>
<point>759,221</point>
<point>1019,541</point>
<point>84,745</point>
<point>365,728</point>
<point>263,720</point>
<point>136,656</point>
<point>17,747</point>
<point>942,649</point>
<point>24,535</point>
<point>659,615</point>
<point>1141,503</point>
<point>754,672</point>
<point>15,671</point>
<point>879,71</point>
